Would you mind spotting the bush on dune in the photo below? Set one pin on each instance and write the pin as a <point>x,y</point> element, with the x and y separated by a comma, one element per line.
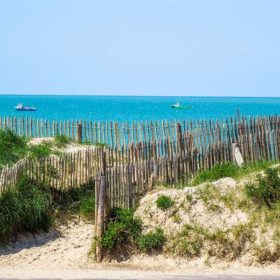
<point>12,147</point>
<point>164,202</point>
<point>229,169</point>
<point>26,207</point>
<point>61,141</point>
<point>152,241</point>
<point>268,190</point>
<point>122,231</point>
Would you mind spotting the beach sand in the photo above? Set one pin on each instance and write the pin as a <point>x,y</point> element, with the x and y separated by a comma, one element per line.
<point>63,253</point>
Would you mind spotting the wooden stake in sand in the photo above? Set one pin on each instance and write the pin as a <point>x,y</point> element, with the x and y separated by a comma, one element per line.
<point>101,211</point>
<point>79,132</point>
<point>236,154</point>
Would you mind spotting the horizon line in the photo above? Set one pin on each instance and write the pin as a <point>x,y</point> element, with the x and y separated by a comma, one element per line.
<point>123,95</point>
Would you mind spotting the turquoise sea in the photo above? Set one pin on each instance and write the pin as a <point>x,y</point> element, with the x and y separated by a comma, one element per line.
<point>128,108</point>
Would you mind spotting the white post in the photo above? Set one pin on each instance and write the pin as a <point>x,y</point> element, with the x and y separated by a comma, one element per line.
<point>236,154</point>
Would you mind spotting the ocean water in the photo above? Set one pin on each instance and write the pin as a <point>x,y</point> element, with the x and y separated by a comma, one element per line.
<point>123,108</point>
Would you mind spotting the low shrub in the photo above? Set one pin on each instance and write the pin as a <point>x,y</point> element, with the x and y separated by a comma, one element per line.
<point>75,201</point>
<point>87,207</point>
<point>12,147</point>
<point>61,141</point>
<point>36,205</point>
<point>29,206</point>
<point>152,241</point>
<point>229,170</point>
<point>268,190</point>
<point>164,202</point>
<point>40,151</point>
<point>219,171</point>
<point>195,240</point>
<point>100,144</point>
<point>26,207</point>
<point>122,232</point>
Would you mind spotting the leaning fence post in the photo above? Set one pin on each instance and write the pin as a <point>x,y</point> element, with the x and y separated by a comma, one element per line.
<point>129,177</point>
<point>236,154</point>
<point>100,222</point>
<point>100,219</point>
<point>79,132</point>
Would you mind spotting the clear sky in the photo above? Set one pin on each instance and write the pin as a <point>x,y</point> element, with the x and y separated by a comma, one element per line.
<point>140,47</point>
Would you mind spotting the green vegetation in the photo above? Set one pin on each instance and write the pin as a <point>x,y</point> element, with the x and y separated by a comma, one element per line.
<point>164,202</point>
<point>176,218</point>
<point>152,241</point>
<point>229,170</point>
<point>12,148</point>
<point>61,141</point>
<point>123,235</point>
<point>27,207</point>
<point>211,195</point>
<point>193,240</point>
<point>100,144</point>
<point>75,201</point>
<point>261,204</point>
<point>87,207</point>
<point>122,232</point>
<point>268,190</point>
<point>40,151</point>
<point>31,206</point>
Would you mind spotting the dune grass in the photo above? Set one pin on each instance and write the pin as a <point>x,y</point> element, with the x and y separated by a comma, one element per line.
<point>61,141</point>
<point>229,170</point>
<point>32,206</point>
<point>26,207</point>
<point>12,148</point>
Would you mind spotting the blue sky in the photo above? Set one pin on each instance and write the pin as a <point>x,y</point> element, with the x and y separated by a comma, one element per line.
<point>140,47</point>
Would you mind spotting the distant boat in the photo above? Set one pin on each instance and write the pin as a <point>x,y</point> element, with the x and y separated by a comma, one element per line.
<point>180,106</point>
<point>20,107</point>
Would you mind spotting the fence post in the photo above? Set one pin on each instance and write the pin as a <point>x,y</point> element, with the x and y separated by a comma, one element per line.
<point>236,154</point>
<point>179,150</point>
<point>129,177</point>
<point>79,132</point>
<point>100,222</point>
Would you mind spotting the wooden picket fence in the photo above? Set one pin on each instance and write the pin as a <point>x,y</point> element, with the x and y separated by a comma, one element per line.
<point>117,134</point>
<point>171,156</point>
<point>133,158</point>
<point>126,173</point>
<point>137,168</point>
<point>70,170</point>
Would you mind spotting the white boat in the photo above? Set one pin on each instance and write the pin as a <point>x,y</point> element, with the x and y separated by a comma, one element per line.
<point>181,107</point>
<point>177,106</point>
<point>20,107</point>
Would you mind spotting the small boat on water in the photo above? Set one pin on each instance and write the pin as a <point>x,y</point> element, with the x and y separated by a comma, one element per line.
<point>180,106</point>
<point>20,107</point>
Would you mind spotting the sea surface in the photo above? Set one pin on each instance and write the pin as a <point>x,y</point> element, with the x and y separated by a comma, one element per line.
<point>128,108</point>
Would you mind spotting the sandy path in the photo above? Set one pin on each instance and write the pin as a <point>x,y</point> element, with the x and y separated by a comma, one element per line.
<point>65,247</point>
<point>63,254</point>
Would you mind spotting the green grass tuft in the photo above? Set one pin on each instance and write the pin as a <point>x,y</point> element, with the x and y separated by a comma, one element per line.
<point>164,202</point>
<point>26,207</point>
<point>152,241</point>
<point>268,190</point>
<point>12,148</point>
<point>229,170</point>
<point>100,144</point>
<point>87,207</point>
<point>61,141</point>
<point>40,151</point>
<point>122,232</point>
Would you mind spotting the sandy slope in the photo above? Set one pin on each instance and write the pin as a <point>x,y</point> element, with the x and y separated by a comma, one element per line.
<point>65,247</point>
<point>64,254</point>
